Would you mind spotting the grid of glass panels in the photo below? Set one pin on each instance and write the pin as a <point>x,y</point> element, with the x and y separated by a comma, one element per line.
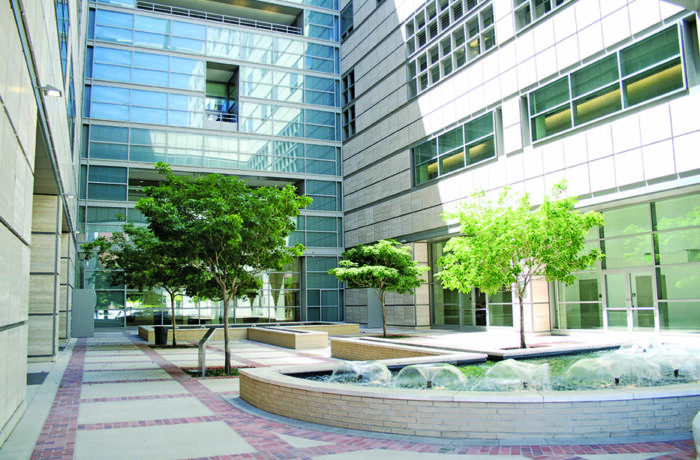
<point>180,148</point>
<point>324,294</point>
<point>327,195</point>
<point>161,108</point>
<point>318,232</point>
<point>288,87</point>
<point>477,309</point>
<point>142,68</point>
<point>529,11</point>
<point>455,149</point>
<point>320,25</point>
<point>187,37</point>
<point>641,72</point>
<point>445,35</point>
<point>658,243</point>
<point>141,106</point>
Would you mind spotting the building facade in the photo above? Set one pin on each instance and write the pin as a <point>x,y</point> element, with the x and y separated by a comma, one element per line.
<point>449,97</point>
<point>41,69</point>
<point>251,91</point>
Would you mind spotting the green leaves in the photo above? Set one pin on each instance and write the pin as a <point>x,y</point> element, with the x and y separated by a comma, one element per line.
<point>386,266</point>
<point>508,243</point>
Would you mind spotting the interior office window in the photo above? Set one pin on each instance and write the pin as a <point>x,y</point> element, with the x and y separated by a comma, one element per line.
<point>641,72</point>
<point>458,148</point>
<point>346,21</point>
<point>529,11</point>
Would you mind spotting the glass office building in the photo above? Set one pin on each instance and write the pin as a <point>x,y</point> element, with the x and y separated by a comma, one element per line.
<point>250,91</point>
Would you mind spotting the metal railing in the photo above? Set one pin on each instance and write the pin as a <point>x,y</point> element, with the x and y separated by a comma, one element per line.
<point>222,18</point>
<point>224,117</point>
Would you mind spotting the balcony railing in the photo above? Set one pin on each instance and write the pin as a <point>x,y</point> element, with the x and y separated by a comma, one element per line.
<point>221,18</point>
<point>220,120</point>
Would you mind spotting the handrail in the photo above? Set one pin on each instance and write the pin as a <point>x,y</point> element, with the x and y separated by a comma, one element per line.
<point>214,115</point>
<point>207,16</point>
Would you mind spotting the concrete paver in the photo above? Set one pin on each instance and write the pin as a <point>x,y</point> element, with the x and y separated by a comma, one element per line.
<point>113,397</point>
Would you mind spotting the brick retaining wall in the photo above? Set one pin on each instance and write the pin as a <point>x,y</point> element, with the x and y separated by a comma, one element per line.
<point>496,416</point>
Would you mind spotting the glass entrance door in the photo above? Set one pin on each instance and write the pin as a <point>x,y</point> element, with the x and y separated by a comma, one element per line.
<point>630,300</point>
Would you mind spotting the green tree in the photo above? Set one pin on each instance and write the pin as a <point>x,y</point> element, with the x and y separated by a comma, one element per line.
<point>386,266</point>
<point>505,246</point>
<point>140,260</point>
<point>230,231</point>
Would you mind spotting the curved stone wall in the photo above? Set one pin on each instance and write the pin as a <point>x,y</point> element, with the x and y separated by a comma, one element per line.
<point>479,415</point>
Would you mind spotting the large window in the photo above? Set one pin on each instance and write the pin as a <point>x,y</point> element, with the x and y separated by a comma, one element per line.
<point>181,148</point>
<point>641,72</point>
<point>456,149</point>
<point>168,34</point>
<point>649,276</point>
<point>445,35</point>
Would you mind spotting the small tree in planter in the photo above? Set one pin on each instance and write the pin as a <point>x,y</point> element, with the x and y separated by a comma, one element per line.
<point>506,246</point>
<point>230,232</point>
<point>138,259</point>
<point>386,266</point>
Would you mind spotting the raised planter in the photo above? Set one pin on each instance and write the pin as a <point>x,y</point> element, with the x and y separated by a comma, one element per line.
<point>296,339</point>
<point>240,331</point>
<point>360,349</point>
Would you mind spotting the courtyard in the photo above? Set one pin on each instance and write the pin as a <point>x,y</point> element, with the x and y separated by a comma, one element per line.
<point>114,397</point>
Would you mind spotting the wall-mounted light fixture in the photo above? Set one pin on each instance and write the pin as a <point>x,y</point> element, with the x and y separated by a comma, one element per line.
<point>51,91</point>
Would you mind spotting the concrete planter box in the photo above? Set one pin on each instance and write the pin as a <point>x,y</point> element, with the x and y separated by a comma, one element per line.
<point>240,332</point>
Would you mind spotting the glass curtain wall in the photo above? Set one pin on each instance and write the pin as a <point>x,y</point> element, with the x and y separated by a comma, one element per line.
<point>476,310</point>
<point>147,75</point>
<point>648,279</point>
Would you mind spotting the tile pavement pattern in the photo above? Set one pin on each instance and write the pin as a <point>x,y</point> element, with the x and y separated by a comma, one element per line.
<point>204,425</point>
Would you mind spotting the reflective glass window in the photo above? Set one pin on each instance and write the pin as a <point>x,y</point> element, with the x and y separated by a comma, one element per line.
<point>677,212</point>
<point>627,220</point>
<point>151,61</point>
<point>112,18</point>
<point>151,24</point>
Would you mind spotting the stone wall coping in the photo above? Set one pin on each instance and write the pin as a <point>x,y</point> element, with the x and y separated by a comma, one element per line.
<point>277,376</point>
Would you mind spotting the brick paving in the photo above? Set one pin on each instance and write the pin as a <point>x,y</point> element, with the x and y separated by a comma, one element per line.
<point>58,435</point>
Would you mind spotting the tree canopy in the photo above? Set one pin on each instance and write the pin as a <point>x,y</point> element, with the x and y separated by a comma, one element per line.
<point>141,261</point>
<point>386,266</point>
<point>505,245</point>
<point>230,231</point>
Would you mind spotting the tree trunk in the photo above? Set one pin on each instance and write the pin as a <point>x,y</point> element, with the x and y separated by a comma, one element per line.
<point>172,310</point>
<point>382,297</point>
<point>522,321</point>
<point>227,350</point>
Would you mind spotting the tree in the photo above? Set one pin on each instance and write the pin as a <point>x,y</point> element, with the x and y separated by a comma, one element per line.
<point>229,231</point>
<point>141,261</point>
<point>386,266</point>
<point>504,247</point>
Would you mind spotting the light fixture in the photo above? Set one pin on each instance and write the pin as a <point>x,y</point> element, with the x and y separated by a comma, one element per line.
<point>69,196</point>
<point>51,91</point>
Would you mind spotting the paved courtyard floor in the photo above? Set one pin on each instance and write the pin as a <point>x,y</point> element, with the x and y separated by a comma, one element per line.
<point>114,397</point>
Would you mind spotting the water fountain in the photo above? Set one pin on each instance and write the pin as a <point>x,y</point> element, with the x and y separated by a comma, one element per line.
<point>515,375</point>
<point>512,415</point>
<point>440,375</point>
<point>361,372</point>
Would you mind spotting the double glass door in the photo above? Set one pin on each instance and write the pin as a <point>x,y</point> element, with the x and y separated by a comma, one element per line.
<point>630,300</point>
